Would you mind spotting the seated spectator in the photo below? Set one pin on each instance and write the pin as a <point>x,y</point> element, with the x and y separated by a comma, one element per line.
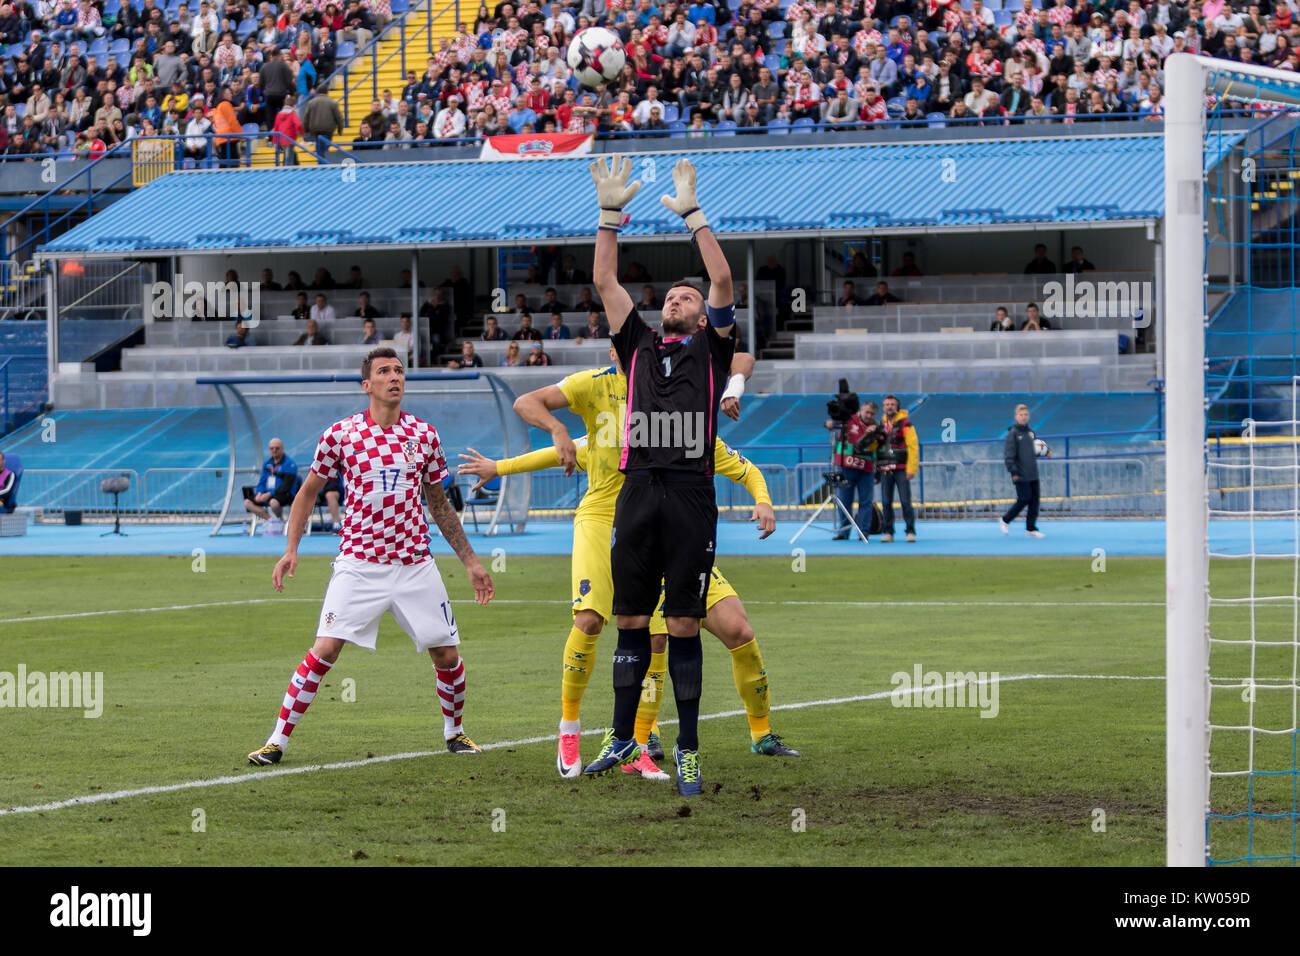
<point>364,309</point>
<point>586,301</point>
<point>861,267</point>
<point>551,301</point>
<point>369,333</point>
<point>655,124</point>
<point>980,101</point>
<point>301,310</point>
<point>595,327</point>
<point>467,358</point>
<point>312,336</point>
<point>841,111</point>
<point>404,336</point>
<point>909,266</point>
<point>492,331</point>
<point>557,329</point>
<point>512,357</point>
<point>8,488</point>
<point>355,281</point>
<point>275,487</point>
<point>649,302</point>
<point>526,330</point>
<point>321,310</point>
<point>267,283</point>
<point>241,337</point>
<point>537,356</point>
<point>1078,263</point>
<point>635,272</point>
<point>569,273</point>
<point>1033,321</point>
<point>293,282</point>
<point>1002,321</point>
<point>882,296</point>
<point>752,122</point>
<point>1040,264</point>
<point>322,279</point>
<point>437,314</point>
<point>849,295</point>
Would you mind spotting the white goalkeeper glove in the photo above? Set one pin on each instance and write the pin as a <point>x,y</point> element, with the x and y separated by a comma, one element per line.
<point>684,203</point>
<point>612,189</point>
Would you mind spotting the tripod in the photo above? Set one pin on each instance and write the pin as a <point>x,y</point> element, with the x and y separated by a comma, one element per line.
<point>834,480</point>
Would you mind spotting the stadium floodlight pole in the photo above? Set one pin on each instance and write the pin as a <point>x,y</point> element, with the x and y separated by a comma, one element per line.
<point>1186,555</point>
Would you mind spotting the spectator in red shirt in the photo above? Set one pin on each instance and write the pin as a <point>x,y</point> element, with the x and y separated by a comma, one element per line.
<point>537,98</point>
<point>288,130</point>
<point>908,268</point>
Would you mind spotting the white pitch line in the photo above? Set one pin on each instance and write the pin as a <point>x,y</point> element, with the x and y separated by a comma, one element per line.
<point>540,601</point>
<point>351,764</point>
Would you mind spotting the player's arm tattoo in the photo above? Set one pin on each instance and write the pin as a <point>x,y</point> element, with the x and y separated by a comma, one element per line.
<point>448,522</point>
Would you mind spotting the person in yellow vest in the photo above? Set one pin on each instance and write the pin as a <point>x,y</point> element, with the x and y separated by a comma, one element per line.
<point>225,124</point>
<point>897,459</point>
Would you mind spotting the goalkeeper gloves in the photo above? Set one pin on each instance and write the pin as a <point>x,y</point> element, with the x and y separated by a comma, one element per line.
<point>612,189</point>
<point>684,203</point>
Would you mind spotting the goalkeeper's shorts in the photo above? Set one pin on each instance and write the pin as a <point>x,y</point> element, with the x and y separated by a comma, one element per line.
<point>719,588</point>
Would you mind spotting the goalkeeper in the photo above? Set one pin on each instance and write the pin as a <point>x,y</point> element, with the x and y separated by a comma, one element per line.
<point>596,395</point>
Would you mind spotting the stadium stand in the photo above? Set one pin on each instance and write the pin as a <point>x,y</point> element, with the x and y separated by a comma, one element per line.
<point>78,81</point>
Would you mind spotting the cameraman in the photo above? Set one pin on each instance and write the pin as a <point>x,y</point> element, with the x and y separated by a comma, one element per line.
<point>855,456</point>
<point>896,462</point>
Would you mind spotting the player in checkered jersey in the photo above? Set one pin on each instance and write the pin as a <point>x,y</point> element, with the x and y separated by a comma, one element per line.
<point>386,458</point>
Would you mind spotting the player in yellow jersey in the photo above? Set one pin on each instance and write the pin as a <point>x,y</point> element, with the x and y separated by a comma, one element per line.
<point>597,396</point>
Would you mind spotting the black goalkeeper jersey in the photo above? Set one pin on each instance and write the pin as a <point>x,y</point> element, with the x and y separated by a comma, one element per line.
<point>673,390</point>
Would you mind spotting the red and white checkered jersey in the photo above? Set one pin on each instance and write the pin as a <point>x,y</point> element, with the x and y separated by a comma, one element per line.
<point>1061,16</point>
<point>383,470</point>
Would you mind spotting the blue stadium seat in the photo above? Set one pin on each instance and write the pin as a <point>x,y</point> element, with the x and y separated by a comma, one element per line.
<point>1002,18</point>
<point>112,8</point>
<point>896,105</point>
<point>779,127</point>
<point>936,120</point>
<point>804,125</point>
<point>671,113</point>
<point>399,7</point>
<point>676,131</point>
<point>98,47</point>
<point>252,128</point>
<point>245,28</point>
<point>123,60</point>
<point>346,50</point>
<point>776,29</point>
<point>778,47</point>
<point>188,164</point>
<point>21,110</point>
<point>772,62</point>
<point>725,128</point>
<point>120,46</point>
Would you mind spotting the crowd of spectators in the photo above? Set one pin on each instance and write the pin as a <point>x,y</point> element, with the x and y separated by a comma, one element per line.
<point>84,75</point>
<point>699,68</point>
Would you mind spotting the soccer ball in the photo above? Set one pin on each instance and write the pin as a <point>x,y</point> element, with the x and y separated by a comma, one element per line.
<point>1041,450</point>
<point>596,56</point>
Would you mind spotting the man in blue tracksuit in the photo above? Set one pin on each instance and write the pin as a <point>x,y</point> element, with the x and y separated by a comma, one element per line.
<point>1022,462</point>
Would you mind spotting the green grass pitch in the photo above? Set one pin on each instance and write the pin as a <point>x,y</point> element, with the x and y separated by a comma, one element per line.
<point>1070,771</point>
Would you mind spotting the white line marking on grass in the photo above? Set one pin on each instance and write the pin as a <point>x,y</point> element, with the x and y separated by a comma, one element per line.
<point>540,601</point>
<point>254,775</point>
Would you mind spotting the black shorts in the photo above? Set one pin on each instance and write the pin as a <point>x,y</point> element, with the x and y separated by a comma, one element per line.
<point>664,530</point>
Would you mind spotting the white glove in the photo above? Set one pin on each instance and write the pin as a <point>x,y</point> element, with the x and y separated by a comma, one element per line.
<point>612,189</point>
<point>684,203</point>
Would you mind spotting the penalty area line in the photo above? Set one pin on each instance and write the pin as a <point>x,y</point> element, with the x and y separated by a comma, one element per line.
<point>543,601</point>
<point>252,776</point>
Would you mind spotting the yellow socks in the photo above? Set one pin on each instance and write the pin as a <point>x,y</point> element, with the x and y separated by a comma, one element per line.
<point>647,711</point>
<point>751,684</point>
<point>579,651</point>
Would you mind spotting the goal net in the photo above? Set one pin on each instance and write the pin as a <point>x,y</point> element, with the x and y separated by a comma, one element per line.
<point>469,409</point>
<point>1232,463</point>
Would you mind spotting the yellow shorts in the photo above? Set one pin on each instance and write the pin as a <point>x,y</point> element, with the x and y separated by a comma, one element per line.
<point>719,588</point>
<point>593,579</point>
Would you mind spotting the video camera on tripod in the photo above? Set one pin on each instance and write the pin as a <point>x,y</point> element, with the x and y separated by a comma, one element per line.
<point>841,408</point>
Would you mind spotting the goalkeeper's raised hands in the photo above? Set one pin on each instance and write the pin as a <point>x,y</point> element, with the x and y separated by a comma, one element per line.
<point>612,189</point>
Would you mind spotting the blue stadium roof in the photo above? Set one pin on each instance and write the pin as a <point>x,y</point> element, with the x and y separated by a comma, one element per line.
<point>748,193</point>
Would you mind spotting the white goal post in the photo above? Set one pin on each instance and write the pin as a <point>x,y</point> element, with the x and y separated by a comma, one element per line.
<point>1187,641</point>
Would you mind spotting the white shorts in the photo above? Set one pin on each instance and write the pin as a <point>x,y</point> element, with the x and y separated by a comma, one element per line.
<point>360,592</point>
